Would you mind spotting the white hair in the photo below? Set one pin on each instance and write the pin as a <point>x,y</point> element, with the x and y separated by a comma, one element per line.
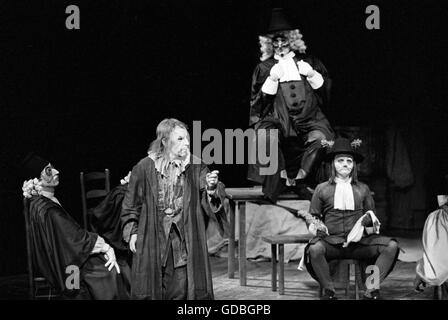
<point>294,37</point>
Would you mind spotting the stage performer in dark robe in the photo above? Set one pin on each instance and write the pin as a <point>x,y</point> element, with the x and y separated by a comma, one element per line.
<point>289,88</point>
<point>342,218</point>
<point>77,263</point>
<point>169,195</point>
<point>105,219</point>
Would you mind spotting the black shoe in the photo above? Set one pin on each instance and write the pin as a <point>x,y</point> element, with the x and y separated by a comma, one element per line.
<point>419,284</point>
<point>328,295</point>
<point>374,295</point>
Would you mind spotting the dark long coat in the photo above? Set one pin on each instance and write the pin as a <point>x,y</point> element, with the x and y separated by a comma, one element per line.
<point>57,242</point>
<point>140,206</point>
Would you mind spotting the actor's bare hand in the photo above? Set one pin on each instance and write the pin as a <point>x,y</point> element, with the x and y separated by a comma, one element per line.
<point>111,260</point>
<point>211,179</point>
<point>132,243</point>
<point>366,220</point>
<point>323,229</point>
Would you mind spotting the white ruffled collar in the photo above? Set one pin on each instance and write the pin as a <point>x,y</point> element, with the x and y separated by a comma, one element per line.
<point>162,163</point>
<point>289,55</point>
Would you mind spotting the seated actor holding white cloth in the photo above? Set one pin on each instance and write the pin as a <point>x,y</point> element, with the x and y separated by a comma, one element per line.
<point>342,218</point>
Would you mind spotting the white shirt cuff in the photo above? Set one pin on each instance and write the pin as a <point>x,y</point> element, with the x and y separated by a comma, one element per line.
<point>316,81</point>
<point>270,86</point>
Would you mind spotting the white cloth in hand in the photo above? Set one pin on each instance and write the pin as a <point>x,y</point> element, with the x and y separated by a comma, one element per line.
<point>358,229</point>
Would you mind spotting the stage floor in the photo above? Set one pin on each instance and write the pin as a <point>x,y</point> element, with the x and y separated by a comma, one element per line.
<point>298,284</point>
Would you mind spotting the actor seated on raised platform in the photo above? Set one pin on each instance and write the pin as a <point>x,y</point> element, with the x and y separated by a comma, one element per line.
<point>289,90</point>
<point>342,218</point>
<point>59,245</point>
<point>432,269</point>
<point>169,195</point>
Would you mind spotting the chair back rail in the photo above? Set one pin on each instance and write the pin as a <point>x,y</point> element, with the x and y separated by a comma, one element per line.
<point>26,206</point>
<point>92,193</point>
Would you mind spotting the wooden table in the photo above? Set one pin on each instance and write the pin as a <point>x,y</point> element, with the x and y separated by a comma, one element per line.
<point>238,198</point>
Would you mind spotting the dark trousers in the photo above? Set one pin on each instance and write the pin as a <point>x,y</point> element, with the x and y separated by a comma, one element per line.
<point>322,252</point>
<point>295,152</point>
<point>174,280</point>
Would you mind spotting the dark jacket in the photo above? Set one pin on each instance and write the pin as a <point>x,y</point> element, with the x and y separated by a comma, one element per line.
<point>263,105</point>
<point>341,222</point>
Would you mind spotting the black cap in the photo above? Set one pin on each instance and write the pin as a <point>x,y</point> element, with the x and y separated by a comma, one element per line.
<point>32,166</point>
<point>343,146</point>
<point>279,21</point>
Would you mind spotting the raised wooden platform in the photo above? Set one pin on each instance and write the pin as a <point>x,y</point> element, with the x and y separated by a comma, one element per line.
<point>238,198</point>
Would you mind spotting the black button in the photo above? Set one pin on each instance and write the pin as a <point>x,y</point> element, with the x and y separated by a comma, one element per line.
<point>292,87</point>
<point>293,95</point>
<point>295,104</point>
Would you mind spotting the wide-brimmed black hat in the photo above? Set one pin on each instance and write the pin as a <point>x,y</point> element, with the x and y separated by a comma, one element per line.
<point>32,165</point>
<point>279,21</point>
<point>344,146</point>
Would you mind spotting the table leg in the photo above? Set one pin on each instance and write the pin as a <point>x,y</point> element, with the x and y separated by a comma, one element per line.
<point>274,267</point>
<point>231,252</point>
<point>347,286</point>
<point>281,275</point>
<point>242,242</point>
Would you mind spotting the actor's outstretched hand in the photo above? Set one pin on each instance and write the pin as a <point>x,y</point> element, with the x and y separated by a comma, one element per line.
<point>132,242</point>
<point>111,260</point>
<point>211,179</point>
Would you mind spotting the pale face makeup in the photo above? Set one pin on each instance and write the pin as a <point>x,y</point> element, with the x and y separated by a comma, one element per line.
<point>49,176</point>
<point>343,164</point>
<point>178,145</point>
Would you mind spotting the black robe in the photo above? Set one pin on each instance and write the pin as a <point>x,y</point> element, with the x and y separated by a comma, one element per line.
<point>140,206</point>
<point>105,220</point>
<point>57,242</point>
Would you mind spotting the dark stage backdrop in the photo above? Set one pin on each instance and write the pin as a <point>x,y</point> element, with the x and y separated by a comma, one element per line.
<point>89,99</point>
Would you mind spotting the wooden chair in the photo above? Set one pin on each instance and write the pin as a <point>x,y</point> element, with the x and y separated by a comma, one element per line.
<point>38,286</point>
<point>277,243</point>
<point>89,194</point>
<point>357,270</point>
